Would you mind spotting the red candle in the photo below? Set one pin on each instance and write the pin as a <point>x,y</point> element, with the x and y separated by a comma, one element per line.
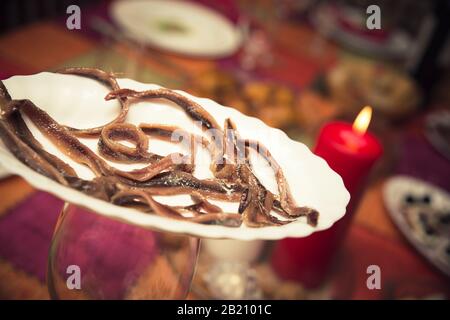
<point>351,151</point>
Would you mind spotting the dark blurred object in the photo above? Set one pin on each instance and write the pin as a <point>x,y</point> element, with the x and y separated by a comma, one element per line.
<point>345,22</point>
<point>413,34</point>
<point>15,13</point>
<point>419,159</point>
<point>273,103</point>
<point>430,54</point>
<point>437,131</point>
<point>314,110</point>
<point>356,82</point>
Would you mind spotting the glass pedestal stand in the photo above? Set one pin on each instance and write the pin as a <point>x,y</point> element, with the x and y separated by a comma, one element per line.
<point>230,274</point>
<point>95,257</point>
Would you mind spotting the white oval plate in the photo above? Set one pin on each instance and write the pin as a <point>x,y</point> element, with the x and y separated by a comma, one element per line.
<point>394,192</point>
<point>178,26</point>
<point>79,102</point>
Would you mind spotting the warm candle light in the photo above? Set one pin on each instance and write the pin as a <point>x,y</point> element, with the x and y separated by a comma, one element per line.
<point>362,121</point>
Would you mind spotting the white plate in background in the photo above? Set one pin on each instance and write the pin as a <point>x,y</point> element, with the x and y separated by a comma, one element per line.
<point>179,26</point>
<point>394,192</point>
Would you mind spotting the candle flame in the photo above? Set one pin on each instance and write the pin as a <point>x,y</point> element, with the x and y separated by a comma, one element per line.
<point>362,121</point>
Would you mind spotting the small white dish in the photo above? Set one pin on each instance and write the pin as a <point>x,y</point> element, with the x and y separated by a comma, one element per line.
<point>178,26</point>
<point>395,191</point>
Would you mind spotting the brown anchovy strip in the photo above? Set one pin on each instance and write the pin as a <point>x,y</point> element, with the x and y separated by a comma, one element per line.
<point>265,199</point>
<point>202,203</point>
<point>261,201</point>
<point>27,155</point>
<point>191,108</point>
<point>23,151</point>
<point>257,202</point>
<point>196,112</point>
<point>110,81</point>
<point>172,134</point>
<point>234,179</point>
<point>111,149</point>
<point>288,208</point>
<point>229,219</point>
<point>73,148</point>
<point>61,138</point>
<point>26,136</point>
<point>170,183</point>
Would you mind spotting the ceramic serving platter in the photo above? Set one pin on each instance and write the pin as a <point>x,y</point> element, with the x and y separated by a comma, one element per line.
<point>79,102</point>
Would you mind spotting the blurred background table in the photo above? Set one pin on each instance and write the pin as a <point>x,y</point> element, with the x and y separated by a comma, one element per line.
<point>287,91</point>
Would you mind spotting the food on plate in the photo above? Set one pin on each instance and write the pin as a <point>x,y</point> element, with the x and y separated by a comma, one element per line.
<point>429,225</point>
<point>233,179</point>
<point>354,83</point>
<point>271,102</point>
